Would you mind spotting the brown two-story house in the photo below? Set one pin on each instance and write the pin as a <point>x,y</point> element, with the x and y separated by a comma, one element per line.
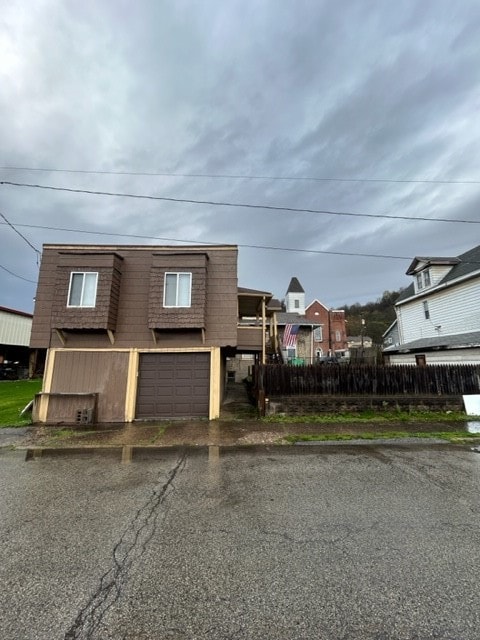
<point>139,332</point>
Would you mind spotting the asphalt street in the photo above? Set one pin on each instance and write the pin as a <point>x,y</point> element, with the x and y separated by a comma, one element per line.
<point>338,542</point>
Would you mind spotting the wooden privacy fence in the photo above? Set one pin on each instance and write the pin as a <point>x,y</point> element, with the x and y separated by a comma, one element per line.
<point>277,380</point>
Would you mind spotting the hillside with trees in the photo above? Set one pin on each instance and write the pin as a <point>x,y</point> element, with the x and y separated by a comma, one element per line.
<point>378,316</point>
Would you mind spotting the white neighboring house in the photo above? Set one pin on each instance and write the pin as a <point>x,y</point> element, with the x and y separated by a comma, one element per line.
<point>390,337</point>
<point>438,315</point>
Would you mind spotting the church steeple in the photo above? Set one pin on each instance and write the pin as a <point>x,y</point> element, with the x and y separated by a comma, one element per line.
<point>295,298</point>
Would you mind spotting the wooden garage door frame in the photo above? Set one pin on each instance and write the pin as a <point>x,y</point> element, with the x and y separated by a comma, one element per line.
<point>173,384</point>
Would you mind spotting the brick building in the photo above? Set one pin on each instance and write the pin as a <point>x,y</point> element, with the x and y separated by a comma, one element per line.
<point>319,331</point>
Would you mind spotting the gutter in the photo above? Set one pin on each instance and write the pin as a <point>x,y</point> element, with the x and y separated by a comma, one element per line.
<point>439,287</point>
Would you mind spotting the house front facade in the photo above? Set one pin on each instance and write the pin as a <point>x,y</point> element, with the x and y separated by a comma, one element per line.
<point>330,337</point>
<point>137,332</point>
<point>438,315</point>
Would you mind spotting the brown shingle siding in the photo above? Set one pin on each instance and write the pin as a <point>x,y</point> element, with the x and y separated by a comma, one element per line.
<point>130,303</point>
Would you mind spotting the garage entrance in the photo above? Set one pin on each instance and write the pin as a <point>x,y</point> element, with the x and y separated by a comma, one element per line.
<point>173,385</point>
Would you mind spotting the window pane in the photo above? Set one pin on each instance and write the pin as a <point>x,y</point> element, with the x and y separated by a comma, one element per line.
<point>171,290</point>
<point>76,290</point>
<point>184,289</point>
<point>426,278</point>
<point>89,290</point>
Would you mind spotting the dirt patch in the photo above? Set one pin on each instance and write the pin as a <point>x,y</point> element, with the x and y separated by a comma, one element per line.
<point>204,432</point>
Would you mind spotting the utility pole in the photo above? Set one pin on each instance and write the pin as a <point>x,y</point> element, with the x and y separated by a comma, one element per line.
<point>362,330</point>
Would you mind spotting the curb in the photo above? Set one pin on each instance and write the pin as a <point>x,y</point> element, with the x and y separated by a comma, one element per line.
<point>126,453</point>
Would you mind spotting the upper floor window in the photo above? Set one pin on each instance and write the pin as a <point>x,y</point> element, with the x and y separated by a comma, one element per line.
<point>423,279</point>
<point>317,334</point>
<point>338,336</point>
<point>177,290</point>
<point>296,304</point>
<point>426,310</point>
<point>83,289</point>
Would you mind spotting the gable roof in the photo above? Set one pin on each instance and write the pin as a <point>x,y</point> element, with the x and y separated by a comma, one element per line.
<point>463,265</point>
<point>390,328</point>
<point>423,261</point>
<point>295,286</point>
<point>320,303</point>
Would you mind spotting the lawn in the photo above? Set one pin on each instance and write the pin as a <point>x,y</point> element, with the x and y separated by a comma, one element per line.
<point>14,396</point>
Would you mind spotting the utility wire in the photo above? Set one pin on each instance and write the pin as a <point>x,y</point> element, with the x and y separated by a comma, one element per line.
<point>235,204</point>
<point>235,176</point>
<point>197,242</point>
<point>16,274</point>
<point>38,253</point>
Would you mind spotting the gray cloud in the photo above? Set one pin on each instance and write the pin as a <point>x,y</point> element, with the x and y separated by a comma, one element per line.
<point>319,89</point>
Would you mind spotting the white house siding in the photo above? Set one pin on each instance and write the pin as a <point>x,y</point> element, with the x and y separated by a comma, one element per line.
<point>456,310</point>
<point>450,356</point>
<point>15,329</point>
<point>438,273</point>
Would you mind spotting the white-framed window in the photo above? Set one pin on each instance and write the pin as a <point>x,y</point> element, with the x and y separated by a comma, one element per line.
<point>296,304</point>
<point>177,291</point>
<point>317,334</point>
<point>338,336</point>
<point>426,310</point>
<point>82,291</point>
<point>423,279</point>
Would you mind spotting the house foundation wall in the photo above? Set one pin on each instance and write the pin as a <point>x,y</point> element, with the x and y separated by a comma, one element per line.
<point>312,405</point>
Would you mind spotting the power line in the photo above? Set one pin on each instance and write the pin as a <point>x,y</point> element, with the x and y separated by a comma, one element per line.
<point>235,204</point>
<point>16,274</point>
<point>235,176</point>
<point>21,236</point>
<point>197,242</point>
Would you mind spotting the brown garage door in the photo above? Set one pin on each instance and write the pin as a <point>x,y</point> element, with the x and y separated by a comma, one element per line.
<point>173,385</point>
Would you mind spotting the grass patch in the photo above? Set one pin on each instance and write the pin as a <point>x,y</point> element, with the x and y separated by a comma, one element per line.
<point>449,436</point>
<point>372,416</point>
<point>159,433</point>
<point>14,396</point>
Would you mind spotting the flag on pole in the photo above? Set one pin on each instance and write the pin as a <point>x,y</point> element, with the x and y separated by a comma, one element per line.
<point>290,335</point>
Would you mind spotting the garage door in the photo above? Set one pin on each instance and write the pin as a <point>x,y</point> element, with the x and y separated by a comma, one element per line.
<point>172,385</point>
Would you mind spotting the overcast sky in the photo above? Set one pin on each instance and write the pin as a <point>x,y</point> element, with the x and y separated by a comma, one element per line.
<point>378,96</point>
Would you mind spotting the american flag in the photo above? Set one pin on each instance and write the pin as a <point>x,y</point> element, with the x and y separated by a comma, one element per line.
<point>290,335</point>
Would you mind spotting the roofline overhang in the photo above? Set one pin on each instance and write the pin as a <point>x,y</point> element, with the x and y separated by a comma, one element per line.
<point>440,347</point>
<point>440,287</point>
<point>427,262</point>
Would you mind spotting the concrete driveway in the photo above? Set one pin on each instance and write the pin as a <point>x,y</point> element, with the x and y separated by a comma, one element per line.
<point>308,542</point>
